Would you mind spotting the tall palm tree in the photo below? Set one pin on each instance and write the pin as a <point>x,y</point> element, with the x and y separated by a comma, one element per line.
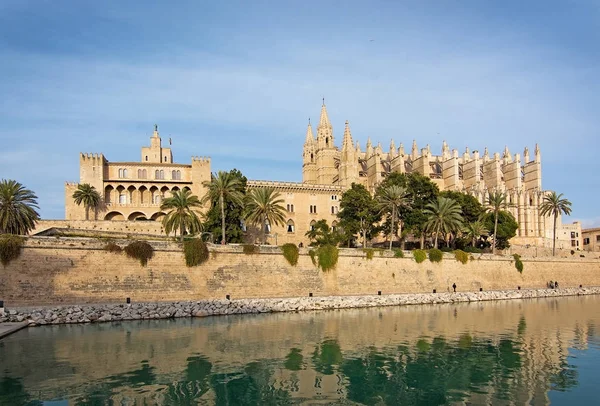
<point>444,216</point>
<point>181,214</point>
<point>390,200</point>
<point>222,185</point>
<point>474,230</point>
<point>554,205</point>
<point>496,202</point>
<point>17,208</point>
<point>264,205</point>
<point>89,196</point>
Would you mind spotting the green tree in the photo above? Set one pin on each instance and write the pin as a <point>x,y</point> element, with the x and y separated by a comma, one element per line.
<point>264,205</point>
<point>443,217</point>
<point>422,191</point>
<point>226,191</point>
<point>321,234</point>
<point>474,231</point>
<point>358,213</point>
<point>496,202</point>
<point>18,206</point>
<point>472,210</point>
<point>505,225</point>
<point>181,214</point>
<point>87,195</point>
<point>390,200</point>
<point>554,205</point>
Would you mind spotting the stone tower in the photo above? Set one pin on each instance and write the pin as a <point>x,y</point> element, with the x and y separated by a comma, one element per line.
<point>309,165</point>
<point>348,160</point>
<point>155,153</point>
<point>327,173</point>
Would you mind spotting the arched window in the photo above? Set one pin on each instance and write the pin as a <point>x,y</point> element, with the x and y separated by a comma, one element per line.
<point>144,174</point>
<point>125,173</point>
<point>267,227</point>
<point>312,157</point>
<point>326,141</point>
<point>120,173</point>
<point>122,197</point>
<point>290,226</point>
<point>157,198</point>
<point>157,174</point>
<point>146,158</point>
<point>166,159</point>
<point>312,225</point>
<point>332,209</point>
<point>178,175</point>
<point>173,174</point>
<point>162,174</point>
<point>334,226</point>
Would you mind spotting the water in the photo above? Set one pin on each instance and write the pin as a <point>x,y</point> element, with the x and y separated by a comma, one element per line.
<point>503,353</point>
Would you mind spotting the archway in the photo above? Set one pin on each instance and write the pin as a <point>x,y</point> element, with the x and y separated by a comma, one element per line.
<point>158,216</point>
<point>137,215</point>
<point>114,216</point>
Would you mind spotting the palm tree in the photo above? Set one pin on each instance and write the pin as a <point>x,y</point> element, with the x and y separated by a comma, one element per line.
<point>390,200</point>
<point>474,230</point>
<point>555,205</point>
<point>444,217</point>
<point>181,214</point>
<point>17,208</point>
<point>222,185</point>
<point>89,196</point>
<point>496,202</point>
<point>264,205</point>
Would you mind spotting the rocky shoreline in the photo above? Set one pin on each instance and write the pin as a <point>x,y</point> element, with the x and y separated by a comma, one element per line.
<point>69,314</point>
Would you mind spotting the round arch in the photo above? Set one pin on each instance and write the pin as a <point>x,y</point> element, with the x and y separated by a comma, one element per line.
<point>157,216</point>
<point>114,216</point>
<point>137,215</point>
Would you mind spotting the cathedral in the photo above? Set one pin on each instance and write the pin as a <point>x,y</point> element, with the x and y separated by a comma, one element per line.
<point>133,191</point>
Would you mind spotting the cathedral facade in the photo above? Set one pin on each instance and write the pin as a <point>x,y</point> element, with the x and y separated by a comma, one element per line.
<point>133,191</point>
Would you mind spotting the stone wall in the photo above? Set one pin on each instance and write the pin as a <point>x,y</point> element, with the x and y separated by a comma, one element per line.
<point>95,226</point>
<point>54,270</point>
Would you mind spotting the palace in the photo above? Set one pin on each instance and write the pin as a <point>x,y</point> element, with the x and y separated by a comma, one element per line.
<point>133,191</point>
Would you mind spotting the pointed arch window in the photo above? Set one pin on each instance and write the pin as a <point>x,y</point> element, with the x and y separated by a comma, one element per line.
<point>291,228</point>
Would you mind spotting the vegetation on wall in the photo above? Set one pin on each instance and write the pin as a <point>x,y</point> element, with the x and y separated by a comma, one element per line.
<point>321,234</point>
<point>140,250</point>
<point>435,255</point>
<point>291,253</point>
<point>327,256</point>
<point>518,263</point>
<point>461,256</point>
<point>419,256</point>
<point>250,249</point>
<point>10,248</point>
<point>196,252</point>
<point>369,252</point>
<point>313,256</point>
<point>398,253</point>
<point>112,247</point>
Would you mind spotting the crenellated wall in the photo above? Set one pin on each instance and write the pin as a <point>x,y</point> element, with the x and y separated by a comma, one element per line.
<point>78,270</point>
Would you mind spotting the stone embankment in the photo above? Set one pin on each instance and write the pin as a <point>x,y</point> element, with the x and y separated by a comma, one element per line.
<point>164,310</point>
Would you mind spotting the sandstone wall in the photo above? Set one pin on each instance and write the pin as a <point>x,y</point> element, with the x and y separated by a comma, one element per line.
<point>78,270</point>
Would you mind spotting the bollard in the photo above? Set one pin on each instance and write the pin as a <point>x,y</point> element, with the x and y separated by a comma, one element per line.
<point>227,297</point>
<point>481,289</point>
<point>1,307</point>
<point>434,291</point>
<point>309,294</point>
<point>379,292</point>
<point>579,288</point>
<point>518,287</point>
<point>128,300</point>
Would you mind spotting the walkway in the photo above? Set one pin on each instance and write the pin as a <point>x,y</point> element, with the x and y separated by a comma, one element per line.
<point>9,328</point>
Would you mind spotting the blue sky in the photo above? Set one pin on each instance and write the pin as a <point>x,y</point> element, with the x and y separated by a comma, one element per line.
<point>237,81</point>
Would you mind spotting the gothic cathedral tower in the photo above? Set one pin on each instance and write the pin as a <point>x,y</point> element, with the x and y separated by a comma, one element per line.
<point>326,153</point>
<point>309,157</point>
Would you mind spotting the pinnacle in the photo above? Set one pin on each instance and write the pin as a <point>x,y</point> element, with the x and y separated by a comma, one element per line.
<point>347,142</point>
<point>310,139</point>
<point>324,119</point>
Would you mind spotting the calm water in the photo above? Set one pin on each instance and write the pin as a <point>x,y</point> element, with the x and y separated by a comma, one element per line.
<point>513,352</point>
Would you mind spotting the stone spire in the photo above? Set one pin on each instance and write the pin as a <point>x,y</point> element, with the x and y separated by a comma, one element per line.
<point>155,134</point>
<point>537,154</point>
<point>415,151</point>
<point>324,119</point>
<point>506,155</point>
<point>310,139</point>
<point>401,149</point>
<point>369,148</point>
<point>393,151</point>
<point>526,155</point>
<point>358,151</point>
<point>378,149</point>
<point>347,142</point>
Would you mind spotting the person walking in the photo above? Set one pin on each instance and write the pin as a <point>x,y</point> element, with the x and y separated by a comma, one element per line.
<point>454,287</point>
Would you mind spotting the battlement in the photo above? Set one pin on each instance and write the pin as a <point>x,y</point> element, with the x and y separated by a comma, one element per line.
<point>294,186</point>
<point>201,159</point>
<point>74,184</point>
<point>90,155</point>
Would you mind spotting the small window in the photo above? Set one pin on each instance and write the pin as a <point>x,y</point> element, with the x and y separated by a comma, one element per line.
<point>586,241</point>
<point>332,209</point>
<point>162,174</point>
<point>598,238</point>
<point>573,243</point>
<point>157,174</point>
<point>146,158</point>
<point>122,198</point>
<point>572,234</point>
<point>290,226</point>
<point>166,159</point>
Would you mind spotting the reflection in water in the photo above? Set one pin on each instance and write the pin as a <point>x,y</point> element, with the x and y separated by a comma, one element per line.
<point>515,352</point>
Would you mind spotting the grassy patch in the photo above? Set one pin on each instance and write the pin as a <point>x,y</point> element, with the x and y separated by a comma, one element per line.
<point>419,256</point>
<point>291,253</point>
<point>112,247</point>
<point>461,256</point>
<point>369,252</point>
<point>398,253</point>
<point>140,250</point>
<point>251,249</point>
<point>436,255</point>
<point>518,263</point>
<point>196,252</point>
<point>10,247</point>
<point>327,256</point>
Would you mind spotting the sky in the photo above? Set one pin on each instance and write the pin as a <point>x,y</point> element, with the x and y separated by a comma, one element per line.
<point>238,81</point>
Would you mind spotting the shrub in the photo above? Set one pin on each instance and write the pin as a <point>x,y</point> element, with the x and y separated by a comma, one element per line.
<point>419,256</point>
<point>251,249</point>
<point>327,256</point>
<point>112,247</point>
<point>398,253</point>
<point>10,248</point>
<point>291,253</point>
<point>435,255</point>
<point>446,249</point>
<point>572,252</point>
<point>461,256</point>
<point>369,252</point>
<point>196,252</point>
<point>473,250</point>
<point>313,256</point>
<point>140,250</point>
<point>518,263</point>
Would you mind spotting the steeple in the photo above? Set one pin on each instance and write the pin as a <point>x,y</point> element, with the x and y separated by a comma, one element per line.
<point>369,150</point>
<point>324,119</point>
<point>393,151</point>
<point>324,131</point>
<point>537,154</point>
<point>401,149</point>
<point>415,151</point>
<point>155,134</point>
<point>347,142</point>
<point>310,139</point>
